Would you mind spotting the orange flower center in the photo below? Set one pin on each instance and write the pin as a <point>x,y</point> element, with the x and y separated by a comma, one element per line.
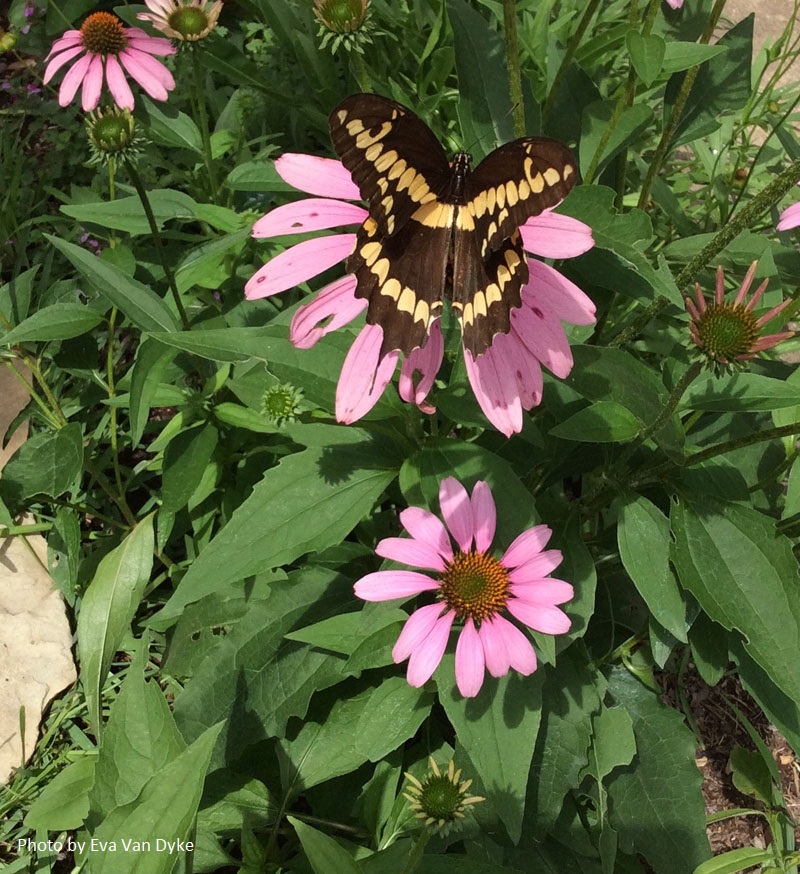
<point>103,34</point>
<point>474,584</point>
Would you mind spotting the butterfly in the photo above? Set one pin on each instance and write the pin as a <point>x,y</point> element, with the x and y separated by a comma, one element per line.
<point>438,229</point>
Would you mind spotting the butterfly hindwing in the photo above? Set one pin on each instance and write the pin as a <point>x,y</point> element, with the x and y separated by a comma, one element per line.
<point>514,182</point>
<point>392,155</point>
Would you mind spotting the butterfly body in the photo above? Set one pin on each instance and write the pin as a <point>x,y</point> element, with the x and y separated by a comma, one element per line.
<point>438,230</point>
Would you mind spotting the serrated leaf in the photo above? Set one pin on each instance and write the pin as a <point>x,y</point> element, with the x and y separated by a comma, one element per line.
<point>656,805</point>
<point>61,321</point>
<point>109,604</point>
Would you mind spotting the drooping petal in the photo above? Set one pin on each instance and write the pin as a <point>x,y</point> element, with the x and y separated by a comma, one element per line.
<point>118,84</point>
<point>515,358</point>
<point>484,515</point>
<point>457,511</point>
<point>299,263</point>
<point>151,74</point>
<point>551,235</point>
<point>469,661</point>
<point>426,658</point>
<point>309,214</point>
<point>324,177</point>
<point>427,528</point>
<point>544,591</point>
<point>492,638</point>
<point>789,218</point>
<point>59,60</point>
<point>417,627</point>
<point>388,585</point>
<point>539,617</point>
<point>543,335</point>
<point>423,364</point>
<point>68,40</point>
<point>410,551</point>
<point>153,45</point>
<point>332,308</point>
<point>526,546</point>
<point>521,655</point>
<point>537,567</point>
<point>92,84</point>
<point>364,375</point>
<point>495,391</point>
<point>548,290</point>
<point>73,79</point>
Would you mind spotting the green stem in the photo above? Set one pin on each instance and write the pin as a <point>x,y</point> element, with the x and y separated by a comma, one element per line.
<point>742,442</point>
<point>205,133</point>
<point>112,406</point>
<point>15,530</point>
<point>151,220</point>
<point>46,411</point>
<point>512,62</point>
<point>680,101</point>
<point>412,863</point>
<point>360,71</point>
<point>588,13</point>
<point>119,500</point>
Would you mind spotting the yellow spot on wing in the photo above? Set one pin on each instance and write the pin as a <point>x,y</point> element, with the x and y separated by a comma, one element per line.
<point>381,270</point>
<point>407,302</point>
<point>397,169</point>
<point>373,151</point>
<point>552,176</point>
<point>512,194</point>
<point>422,313</point>
<point>370,252</point>
<point>493,294</point>
<point>391,288</point>
<point>406,179</point>
<point>435,215</point>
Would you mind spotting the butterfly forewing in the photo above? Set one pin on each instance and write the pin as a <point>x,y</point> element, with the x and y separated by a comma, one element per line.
<point>514,182</point>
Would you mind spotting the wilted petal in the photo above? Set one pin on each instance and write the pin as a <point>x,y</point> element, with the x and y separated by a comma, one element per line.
<point>309,214</point>
<point>364,375</point>
<point>551,235</point>
<point>299,263</point>
<point>424,526</point>
<point>423,364</point>
<point>526,546</point>
<point>388,585</point>
<point>469,661</point>
<point>410,551</point>
<point>457,511</point>
<point>333,307</point>
<point>515,358</point>
<point>324,177</point>
<point>484,515</point>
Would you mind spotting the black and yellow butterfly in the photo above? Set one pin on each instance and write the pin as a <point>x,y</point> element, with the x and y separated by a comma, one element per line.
<point>437,229</point>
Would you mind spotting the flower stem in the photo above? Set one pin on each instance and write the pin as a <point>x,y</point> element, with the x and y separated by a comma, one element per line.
<point>112,406</point>
<point>671,125</point>
<point>512,62</point>
<point>151,220</point>
<point>202,115</point>
<point>412,863</point>
<point>360,71</point>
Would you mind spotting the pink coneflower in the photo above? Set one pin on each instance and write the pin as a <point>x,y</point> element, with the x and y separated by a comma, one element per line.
<point>729,333</point>
<point>104,50</point>
<point>789,218</point>
<point>675,4</point>
<point>188,20</point>
<point>506,379</point>
<point>472,587</point>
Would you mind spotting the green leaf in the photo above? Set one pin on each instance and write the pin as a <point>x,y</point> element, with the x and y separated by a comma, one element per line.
<point>64,801</point>
<point>169,127</point>
<point>141,305</point>
<point>656,805</point>
<point>222,344</point>
<point>647,54</point>
<point>488,728</point>
<point>682,55</point>
<point>256,176</point>
<point>735,860</point>
<point>47,464</point>
<point>162,814</point>
<point>738,393</point>
<point>393,715</point>
<point>644,544</point>
<point>238,416</point>
<point>185,459</point>
<point>602,422</point>
<point>152,360</point>
<point>613,742</point>
<point>750,775</point>
<point>304,508</point>
<point>18,293</point>
<point>595,123</point>
<point>205,265</point>
<point>109,604</point>
<point>744,576</point>
<point>127,213</point>
<point>61,321</point>
<point>322,852</point>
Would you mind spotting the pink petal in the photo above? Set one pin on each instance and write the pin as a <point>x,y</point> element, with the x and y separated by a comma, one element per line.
<point>540,617</point>
<point>484,515</point>
<point>332,308</point>
<point>418,626</point>
<point>388,585</point>
<point>322,176</point>
<point>364,375</point>
<point>162,8</point>
<point>495,391</point>
<point>410,551</point>
<point>423,363</point>
<point>551,235</point>
<point>675,4</point>
<point>153,45</point>
<point>68,40</point>
<point>510,353</point>
<point>151,74</point>
<point>789,218</point>
<point>508,646</point>
<point>424,660</point>
<point>548,289</point>
<point>299,263</point>
<point>541,332</point>
<point>544,591</point>
<point>469,661</point>
<point>59,60</point>
<point>424,526</point>
<point>457,511</point>
<point>520,650</point>
<point>526,546</point>
<point>741,294</point>
<point>73,79</point>
<point>309,214</point>
<point>92,84</point>
<point>537,568</point>
<point>118,84</point>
